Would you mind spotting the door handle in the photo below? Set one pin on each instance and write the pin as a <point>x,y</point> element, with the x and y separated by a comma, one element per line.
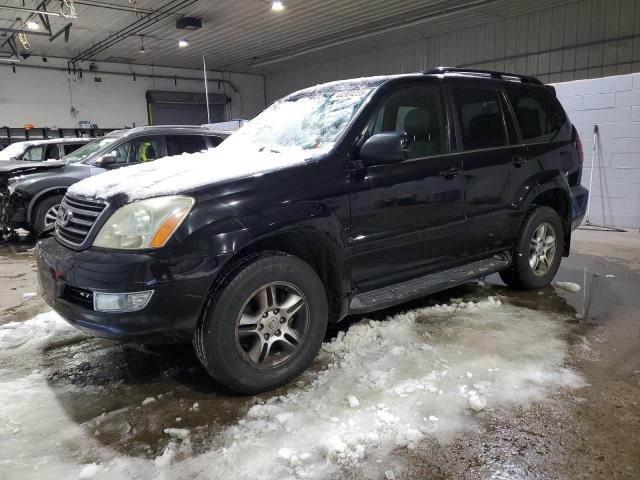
<point>518,161</point>
<point>450,172</point>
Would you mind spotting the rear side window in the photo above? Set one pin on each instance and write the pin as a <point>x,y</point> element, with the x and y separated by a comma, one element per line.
<point>480,117</point>
<point>52,153</point>
<point>539,114</point>
<point>178,144</point>
<point>70,147</point>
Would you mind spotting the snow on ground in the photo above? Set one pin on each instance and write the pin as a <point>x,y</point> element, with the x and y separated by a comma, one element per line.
<point>429,372</point>
<point>569,286</point>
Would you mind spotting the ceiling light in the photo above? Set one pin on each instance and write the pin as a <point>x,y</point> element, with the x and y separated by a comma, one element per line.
<point>31,25</point>
<point>183,43</point>
<point>142,50</point>
<point>277,6</point>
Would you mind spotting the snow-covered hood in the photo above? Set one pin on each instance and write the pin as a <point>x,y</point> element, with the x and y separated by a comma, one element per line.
<point>181,173</point>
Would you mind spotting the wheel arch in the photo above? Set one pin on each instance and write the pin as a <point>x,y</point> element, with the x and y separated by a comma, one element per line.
<point>47,192</point>
<point>557,197</point>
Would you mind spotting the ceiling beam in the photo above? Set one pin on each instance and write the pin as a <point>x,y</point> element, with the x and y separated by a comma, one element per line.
<point>170,8</point>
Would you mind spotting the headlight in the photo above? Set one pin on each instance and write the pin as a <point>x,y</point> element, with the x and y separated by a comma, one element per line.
<point>144,224</point>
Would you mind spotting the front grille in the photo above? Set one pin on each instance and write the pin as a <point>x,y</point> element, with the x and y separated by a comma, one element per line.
<point>76,218</point>
<point>78,296</point>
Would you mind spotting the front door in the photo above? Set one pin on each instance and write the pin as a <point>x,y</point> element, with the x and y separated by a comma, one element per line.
<point>407,218</point>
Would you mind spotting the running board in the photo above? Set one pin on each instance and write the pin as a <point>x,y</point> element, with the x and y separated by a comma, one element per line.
<point>434,282</point>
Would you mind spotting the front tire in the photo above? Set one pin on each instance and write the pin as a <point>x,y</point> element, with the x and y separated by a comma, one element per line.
<point>538,253</point>
<point>45,214</point>
<point>264,325</point>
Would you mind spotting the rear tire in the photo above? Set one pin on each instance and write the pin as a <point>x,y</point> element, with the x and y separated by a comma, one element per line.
<point>264,324</point>
<point>45,212</point>
<point>537,255</point>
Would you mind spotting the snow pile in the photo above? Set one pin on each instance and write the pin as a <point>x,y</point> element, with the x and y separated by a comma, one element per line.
<point>35,335</point>
<point>382,385</point>
<point>569,286</point>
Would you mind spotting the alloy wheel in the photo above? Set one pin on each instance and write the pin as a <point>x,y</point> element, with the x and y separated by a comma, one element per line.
<point>50,216</point>
<point>542,249</point>
<point>272,324</point>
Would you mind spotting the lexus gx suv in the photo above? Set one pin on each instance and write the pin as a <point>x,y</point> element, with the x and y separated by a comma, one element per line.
<point>343,198</point>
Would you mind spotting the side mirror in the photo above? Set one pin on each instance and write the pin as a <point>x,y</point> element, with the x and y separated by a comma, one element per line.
<point>384,148</point>
<point>106,160</point>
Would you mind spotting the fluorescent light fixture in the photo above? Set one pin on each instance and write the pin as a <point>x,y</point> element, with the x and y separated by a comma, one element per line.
<point>277,6</point>
<point>31,25</point>
<point>183,43</point>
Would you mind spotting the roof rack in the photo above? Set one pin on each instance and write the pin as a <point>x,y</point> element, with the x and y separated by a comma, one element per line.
<point>489,73</point>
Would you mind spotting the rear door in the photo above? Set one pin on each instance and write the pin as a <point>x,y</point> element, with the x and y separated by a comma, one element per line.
<point>491,154</point>
<point>407,218</point>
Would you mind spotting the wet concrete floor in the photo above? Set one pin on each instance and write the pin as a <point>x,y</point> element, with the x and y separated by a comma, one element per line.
<point>592,432</point>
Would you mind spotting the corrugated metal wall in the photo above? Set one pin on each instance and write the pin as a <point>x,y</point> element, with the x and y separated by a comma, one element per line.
<point>581,39</point>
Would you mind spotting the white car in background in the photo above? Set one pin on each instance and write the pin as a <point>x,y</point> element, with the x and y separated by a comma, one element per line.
<point>41,150</point>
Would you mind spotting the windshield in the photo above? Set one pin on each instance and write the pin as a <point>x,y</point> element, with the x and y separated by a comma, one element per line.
<point>89,149</point>
<point>309,120</point>
<point>13,151</point>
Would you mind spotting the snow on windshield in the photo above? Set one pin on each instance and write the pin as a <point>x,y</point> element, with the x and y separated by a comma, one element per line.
<point>308,122</point>
<point>13,150</point>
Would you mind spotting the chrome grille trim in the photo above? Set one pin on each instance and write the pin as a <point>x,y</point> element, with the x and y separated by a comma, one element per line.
<point>85,214</point>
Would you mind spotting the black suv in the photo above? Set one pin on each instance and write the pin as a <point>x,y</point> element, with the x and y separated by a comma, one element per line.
<point>31,192</point>
<point>343,198</point>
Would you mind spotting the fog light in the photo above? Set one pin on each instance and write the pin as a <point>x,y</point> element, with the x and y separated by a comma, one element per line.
<point>121,302</point>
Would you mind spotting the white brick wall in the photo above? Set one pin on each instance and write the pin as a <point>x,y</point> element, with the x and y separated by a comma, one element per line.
<point>613,103</point>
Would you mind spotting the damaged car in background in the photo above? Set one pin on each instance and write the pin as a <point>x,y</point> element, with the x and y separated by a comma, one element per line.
<point>340,199</point>
<point>31,192</point>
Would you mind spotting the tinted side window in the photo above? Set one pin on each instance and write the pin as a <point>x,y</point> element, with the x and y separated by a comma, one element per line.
<point>419,113</point>
<point>480,117</point>
<point>70,147</point>
<point>539,114</point>
<point>52,153</point>
<point>177,144</point>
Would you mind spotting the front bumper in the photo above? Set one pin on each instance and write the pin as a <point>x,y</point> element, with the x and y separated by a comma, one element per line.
<point>68,279</point>
<point>579,202</point>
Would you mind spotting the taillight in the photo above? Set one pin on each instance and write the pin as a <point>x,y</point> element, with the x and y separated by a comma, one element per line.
<point>578,144</point>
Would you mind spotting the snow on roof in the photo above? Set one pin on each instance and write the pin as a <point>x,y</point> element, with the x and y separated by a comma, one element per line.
<point>351,83</point>
<point>29,143</point>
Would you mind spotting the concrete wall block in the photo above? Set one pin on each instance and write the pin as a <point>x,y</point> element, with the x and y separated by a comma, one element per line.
<point>614,115</point>
<point>627,99</point>
<point>634,145</point>
<point>619,190</point>
<point>625,160</point>
<point>598,101</point>
<point>573,103</point>
<point>609,146</point>
<point>636,81</point>
<point>618,83</point>
<point>584,117</point>
<point>635,114</point>
<point>624,130</point>
<point>607,176</point>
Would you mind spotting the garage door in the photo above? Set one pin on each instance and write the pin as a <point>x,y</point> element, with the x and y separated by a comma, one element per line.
<point>184,108</point>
